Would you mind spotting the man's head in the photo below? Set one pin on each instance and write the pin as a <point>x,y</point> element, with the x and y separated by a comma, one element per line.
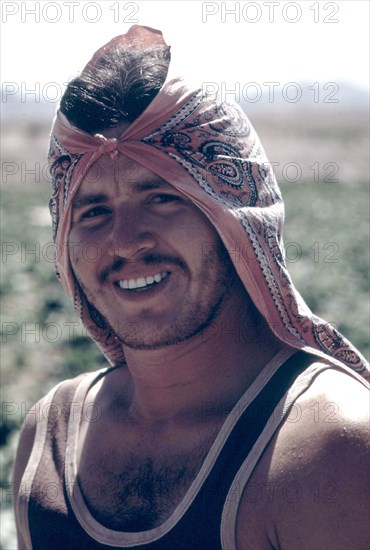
<point>158,272</point>
<point>178,244</point>
<point>211,156</point>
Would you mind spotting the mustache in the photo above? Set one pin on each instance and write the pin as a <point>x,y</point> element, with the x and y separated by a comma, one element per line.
<point>149,259</point>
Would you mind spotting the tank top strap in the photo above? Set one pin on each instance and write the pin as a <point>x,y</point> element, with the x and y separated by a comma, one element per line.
<point>51,415</point>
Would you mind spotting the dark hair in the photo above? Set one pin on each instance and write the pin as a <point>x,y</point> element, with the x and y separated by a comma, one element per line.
<point>115,88</point>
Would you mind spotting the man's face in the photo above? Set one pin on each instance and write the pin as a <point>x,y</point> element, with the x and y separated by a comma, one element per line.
<point>145,256</point>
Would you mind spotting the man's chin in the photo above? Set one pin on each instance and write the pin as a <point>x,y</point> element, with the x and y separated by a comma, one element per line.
<point>158,341</point>
<point>149,340</point>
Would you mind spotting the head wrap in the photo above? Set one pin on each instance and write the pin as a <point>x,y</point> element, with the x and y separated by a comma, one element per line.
<point>209,151</point>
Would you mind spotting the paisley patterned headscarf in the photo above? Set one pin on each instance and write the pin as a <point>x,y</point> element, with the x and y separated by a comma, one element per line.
<point>208,151</point>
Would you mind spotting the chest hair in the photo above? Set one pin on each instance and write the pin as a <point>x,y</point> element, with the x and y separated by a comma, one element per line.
<point>138,493</point>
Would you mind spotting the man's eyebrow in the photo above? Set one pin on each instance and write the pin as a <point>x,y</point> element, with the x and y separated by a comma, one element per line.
<point>148,186</point>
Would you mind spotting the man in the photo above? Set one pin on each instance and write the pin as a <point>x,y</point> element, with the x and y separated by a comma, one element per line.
<point>231,417</point>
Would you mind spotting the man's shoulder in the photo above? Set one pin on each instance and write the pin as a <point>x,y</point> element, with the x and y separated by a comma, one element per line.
<point>332,413</point>
<point>334,400</point>
<point>328,425</point>
<point>312,481</point>
<point>50,406</point>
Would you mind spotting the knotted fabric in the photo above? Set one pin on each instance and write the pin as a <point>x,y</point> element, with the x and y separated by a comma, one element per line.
<point>209,151</point>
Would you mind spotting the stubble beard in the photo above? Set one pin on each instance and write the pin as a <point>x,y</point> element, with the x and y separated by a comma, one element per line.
<point>196,320</point>
<point>196,317</point>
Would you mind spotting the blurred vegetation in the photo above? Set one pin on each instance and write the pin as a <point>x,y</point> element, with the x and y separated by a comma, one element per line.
<point>326,239</point>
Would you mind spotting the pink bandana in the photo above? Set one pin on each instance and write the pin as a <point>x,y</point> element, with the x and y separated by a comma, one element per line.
<point>209,151</point>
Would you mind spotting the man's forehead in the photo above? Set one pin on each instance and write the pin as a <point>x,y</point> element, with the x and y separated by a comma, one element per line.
<point>111,175</point>
<point>120,169</point>
<point>119,166</point>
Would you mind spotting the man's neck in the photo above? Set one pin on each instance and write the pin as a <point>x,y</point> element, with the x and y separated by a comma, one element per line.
<point>212,369</point>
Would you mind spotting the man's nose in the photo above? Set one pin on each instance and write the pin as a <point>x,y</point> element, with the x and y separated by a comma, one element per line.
<point>131,235</point>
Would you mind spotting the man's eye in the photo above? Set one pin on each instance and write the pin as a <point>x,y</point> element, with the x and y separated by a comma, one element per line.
<point>164,198</point>
<point>94,212</point>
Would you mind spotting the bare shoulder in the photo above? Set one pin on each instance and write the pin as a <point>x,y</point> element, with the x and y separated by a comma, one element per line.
<point>332,411</point>
<point>38,416</point>
<point>313,479</point>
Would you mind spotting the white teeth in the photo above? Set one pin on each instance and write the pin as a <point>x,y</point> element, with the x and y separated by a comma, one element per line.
<point>142,282</point>
<point>131,283</point>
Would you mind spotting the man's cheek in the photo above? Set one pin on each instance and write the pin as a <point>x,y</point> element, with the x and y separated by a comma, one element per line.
<point>84,256</point>
<point>74,251</point>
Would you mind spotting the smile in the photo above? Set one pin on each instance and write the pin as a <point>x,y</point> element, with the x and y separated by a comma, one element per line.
<point>142,283</point>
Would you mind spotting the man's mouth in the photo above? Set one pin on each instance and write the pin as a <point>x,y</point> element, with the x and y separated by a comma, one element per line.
<point>142,283</point>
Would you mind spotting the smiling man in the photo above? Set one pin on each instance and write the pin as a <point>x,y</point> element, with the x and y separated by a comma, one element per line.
<point>231,416</point>
<point>152,238</point>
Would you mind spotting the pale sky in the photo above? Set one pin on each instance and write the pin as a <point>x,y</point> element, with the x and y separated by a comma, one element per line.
<point>229,41</point>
